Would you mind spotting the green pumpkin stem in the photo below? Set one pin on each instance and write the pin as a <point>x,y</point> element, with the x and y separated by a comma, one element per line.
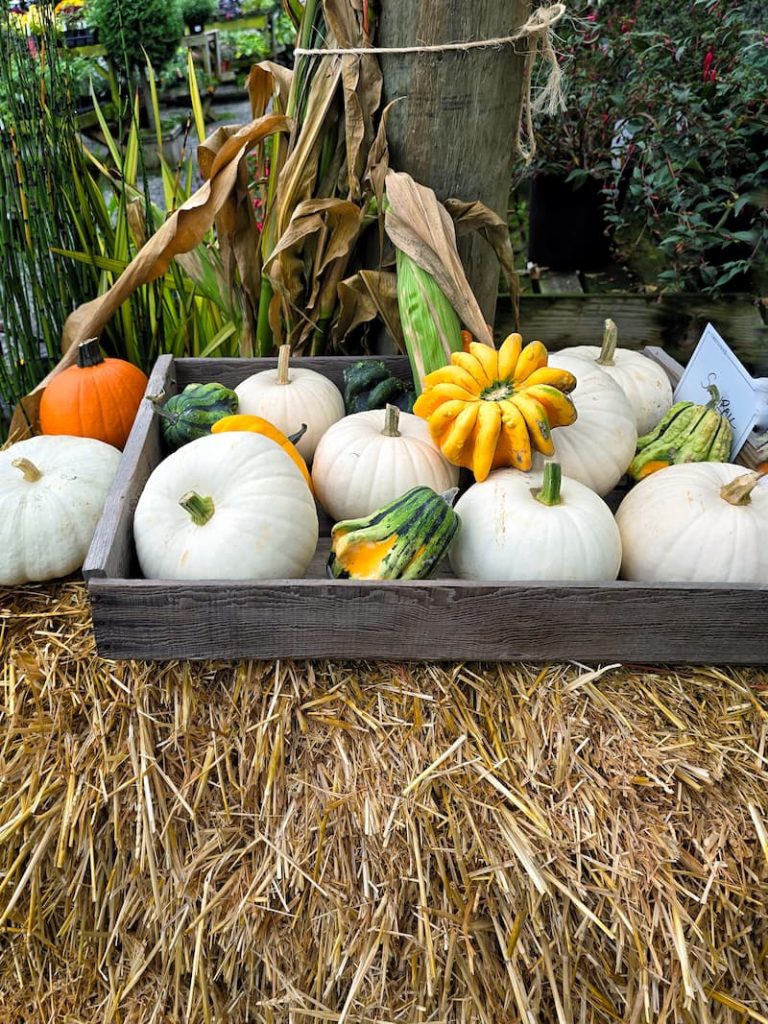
<point>157,405</point>
<point>89,353</point>
<point>610,340</point>
<point>295,438</point>
<point>549,494</point>
<point>283,359</point>
<point>714,396</point>
<point>391,421</point>
<point>200,509</point>
<point>29,470</point>
<point>739,490</point>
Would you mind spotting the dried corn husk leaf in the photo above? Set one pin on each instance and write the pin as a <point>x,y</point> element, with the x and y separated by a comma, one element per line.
<point>494,229</point>
<point>420,226</point>
<point>311,258</point>
<point>365,296</point>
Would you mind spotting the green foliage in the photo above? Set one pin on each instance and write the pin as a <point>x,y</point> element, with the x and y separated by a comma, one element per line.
<point>39,158</point>
<point>84,73</point>
<point>190,310</point>
<point>666,105</point>
<point>136,30</point>
<point>696,165</point>
<point>70,225</point>
<point>198,12</point>
<point>247,46</point>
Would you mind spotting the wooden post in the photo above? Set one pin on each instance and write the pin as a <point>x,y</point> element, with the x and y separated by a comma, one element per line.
<point>456,126</point>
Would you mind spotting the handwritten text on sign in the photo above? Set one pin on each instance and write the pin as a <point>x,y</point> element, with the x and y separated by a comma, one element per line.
<point>741,397</point>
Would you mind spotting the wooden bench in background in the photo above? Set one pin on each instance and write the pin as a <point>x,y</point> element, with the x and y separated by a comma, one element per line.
<point>562,311</point>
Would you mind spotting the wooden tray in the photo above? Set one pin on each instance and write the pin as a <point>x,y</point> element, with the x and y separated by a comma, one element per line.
<point>435,620</point>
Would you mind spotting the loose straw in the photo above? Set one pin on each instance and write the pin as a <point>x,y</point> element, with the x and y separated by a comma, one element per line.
<point>538,28</point>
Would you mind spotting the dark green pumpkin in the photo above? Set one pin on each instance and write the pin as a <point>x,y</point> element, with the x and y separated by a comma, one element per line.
<point>192,413</point>
<point>405,540</point>
<point>368,384</point>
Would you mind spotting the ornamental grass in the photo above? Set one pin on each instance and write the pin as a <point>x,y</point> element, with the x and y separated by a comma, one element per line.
<point>350,842</point>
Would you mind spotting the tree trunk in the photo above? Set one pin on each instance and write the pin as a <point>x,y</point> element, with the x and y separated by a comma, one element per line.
<point>455,129</point>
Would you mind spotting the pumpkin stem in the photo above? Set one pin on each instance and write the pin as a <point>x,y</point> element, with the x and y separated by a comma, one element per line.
<point>28,469</point>
<point>283,359</point>
<point>295,438</point>
<point>714,396</point>
<point>738,491</point>
<point>449,496</point>
<point>89,353</point>
<point>157,405</point>
<point>610,339</point>
<point>200,509</point>
<point>391,420</point>
<point>549,494</point>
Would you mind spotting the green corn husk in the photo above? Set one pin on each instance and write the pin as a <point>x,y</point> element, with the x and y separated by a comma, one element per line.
<point>431,328</point>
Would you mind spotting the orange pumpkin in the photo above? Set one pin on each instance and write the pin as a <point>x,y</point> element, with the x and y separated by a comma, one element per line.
<point>96,397</point>
<point>258,425</point>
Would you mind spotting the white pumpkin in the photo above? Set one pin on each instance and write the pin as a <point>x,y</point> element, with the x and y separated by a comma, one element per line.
<point>597,449</point>
<point>509,531</point>
<point>697,522</point>
<point>642,380</point>
<point>289,396</point>
<point>52,491</point>
<point>229,506</point>
<point>370,458</point>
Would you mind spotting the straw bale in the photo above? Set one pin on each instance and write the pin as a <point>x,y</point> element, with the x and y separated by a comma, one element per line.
<point>347,842</point>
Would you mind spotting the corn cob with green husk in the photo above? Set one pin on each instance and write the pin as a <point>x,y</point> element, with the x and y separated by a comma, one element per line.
<point>431,328</point>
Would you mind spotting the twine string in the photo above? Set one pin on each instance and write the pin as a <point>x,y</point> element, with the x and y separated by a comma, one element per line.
<point>541,21</point>
<point>538,29</point>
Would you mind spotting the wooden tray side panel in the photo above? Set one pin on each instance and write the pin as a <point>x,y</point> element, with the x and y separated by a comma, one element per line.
<point>232,372</point>
<point>442,621</point>
<point>111,551</point>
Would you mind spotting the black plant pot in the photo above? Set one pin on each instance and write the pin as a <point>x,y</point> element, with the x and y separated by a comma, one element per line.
<point>80,36</point>
<point>566,226</point>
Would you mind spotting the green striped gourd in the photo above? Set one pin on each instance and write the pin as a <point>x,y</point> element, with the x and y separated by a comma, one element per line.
<point>404,540</point>
<point>368,384</point>
<point>192,413</point>
<point>688,433</point>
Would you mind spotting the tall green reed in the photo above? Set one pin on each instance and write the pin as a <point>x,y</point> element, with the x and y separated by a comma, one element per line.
<point>70,223</point>
<point>39,156</point>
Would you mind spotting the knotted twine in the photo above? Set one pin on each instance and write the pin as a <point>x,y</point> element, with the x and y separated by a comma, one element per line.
<point>538,29</point>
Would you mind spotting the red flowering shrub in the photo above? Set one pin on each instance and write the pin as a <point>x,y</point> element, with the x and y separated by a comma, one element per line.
<point>668,107</point>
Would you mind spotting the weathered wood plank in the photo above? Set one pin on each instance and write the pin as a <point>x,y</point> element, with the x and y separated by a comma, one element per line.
<point>436,621</point>
<point>553,283</point>
<point>111,550</point>
<point>672,322</point>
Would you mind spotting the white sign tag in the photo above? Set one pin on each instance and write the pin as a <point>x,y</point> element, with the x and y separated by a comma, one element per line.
<point>714,364</point>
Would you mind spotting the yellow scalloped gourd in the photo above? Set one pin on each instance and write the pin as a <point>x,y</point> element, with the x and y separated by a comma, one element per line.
<point>489,408</point>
